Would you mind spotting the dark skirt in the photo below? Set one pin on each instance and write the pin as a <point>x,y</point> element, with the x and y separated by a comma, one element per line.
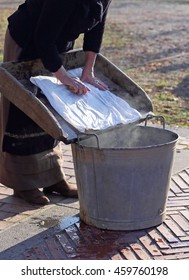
<point>23,136</point>
<point>29,157</point>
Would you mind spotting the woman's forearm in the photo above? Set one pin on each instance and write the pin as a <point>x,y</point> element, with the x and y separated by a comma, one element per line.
<point>90,58</point>
<point>88,71</point>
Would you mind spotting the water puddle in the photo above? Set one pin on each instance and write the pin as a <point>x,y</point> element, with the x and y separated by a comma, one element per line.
<point>68,221</point>
<point>61,223</point>
<point>48,223</point>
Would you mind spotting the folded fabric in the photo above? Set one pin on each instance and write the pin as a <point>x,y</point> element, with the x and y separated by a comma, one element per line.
<point>96,110</point>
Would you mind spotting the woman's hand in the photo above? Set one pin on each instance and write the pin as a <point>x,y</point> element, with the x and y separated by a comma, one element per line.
<point>74,84</point>
<point>91,79</point>
<point>88,73</point>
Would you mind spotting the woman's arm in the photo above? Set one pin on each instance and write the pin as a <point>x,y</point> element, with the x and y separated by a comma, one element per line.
<point>52,19</point>
<point>88,71</point>
<point>74,84</point>
<point>91,46</point>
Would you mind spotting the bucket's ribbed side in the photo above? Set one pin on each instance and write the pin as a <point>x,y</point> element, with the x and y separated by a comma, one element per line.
<point>123,189</point>
<point>84,164</point>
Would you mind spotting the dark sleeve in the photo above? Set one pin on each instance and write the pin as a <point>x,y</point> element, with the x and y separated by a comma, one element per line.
<point>52,19</point>
<point>93,38</point>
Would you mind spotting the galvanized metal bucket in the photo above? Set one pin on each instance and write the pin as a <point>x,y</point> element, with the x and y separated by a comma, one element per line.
<point>123,178</point>
<point>122,184</point>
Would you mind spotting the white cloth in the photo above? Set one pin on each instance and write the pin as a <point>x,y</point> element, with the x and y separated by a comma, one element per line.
<point>96,110</point>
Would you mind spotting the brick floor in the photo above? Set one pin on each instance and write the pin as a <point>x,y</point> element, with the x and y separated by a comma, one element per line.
<point>168,241</point>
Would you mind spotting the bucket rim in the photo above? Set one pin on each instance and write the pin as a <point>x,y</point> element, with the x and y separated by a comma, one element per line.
<point>153,146</point>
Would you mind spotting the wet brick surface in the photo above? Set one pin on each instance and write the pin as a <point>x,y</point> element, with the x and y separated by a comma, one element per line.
<point>168,241</point>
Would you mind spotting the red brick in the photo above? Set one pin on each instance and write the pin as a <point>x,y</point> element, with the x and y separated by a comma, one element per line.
<point>178,202</point>
<point>185,213</point>
<point>175,251</point>
<point>185,238</point>
<point>128,254</point>
<point>175,228</point>
<point>179,244</point>
<point>149,246</point>
<point>65,243</point>
<point>185,176</point>
<point>69,172</point>
<point>116,257</point>
<point>174,210</point>
<point>68,164</point>
<point>174,187</point>
<point>167,234</point>
<point>75,236</point>
<point>158,239</point>
<point>180,182</point>
<point>140,251</point>
<point>55,250</point>
<point>182,222</point>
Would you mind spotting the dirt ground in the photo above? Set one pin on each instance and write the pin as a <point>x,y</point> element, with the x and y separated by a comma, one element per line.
<point>154,33</point>
<point>152,47</point>
<point>149,40</point>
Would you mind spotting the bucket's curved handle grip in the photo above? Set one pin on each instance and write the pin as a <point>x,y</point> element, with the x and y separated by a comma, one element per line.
<point>149,117</point>
<point>87,135</point>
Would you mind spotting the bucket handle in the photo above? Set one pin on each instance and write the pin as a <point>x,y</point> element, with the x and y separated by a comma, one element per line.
<point>149,117</point>
<point>86,135</point>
